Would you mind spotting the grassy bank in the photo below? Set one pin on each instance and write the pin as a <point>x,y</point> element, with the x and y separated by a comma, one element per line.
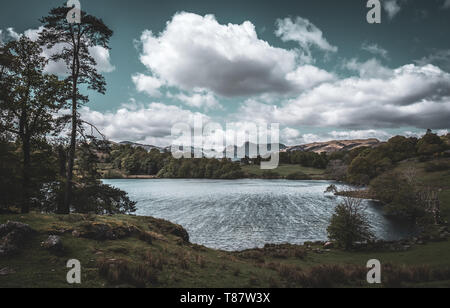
<point>250,171</point>
<point>286,170</point>
<point>155,255</point>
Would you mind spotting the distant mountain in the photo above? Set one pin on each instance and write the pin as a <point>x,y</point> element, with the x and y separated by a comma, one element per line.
<point>317,147</point>
<point>335,145</point>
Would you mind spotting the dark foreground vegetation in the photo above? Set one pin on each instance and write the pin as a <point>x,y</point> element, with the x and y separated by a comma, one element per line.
<point>128,251</point>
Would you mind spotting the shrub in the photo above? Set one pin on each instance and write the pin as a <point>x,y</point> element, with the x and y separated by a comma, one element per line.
<point>349,224</point>
<point>122,271</point>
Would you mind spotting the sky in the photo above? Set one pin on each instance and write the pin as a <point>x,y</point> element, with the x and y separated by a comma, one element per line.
<point>317,68</point>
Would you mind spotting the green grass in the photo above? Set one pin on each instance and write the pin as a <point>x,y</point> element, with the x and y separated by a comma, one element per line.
<point>285,170</point>
<point>178,264</point>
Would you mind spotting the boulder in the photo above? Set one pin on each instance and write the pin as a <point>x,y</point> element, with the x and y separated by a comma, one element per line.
<point>6,271</point>
<point>13,235</point>
<point>53,243</point>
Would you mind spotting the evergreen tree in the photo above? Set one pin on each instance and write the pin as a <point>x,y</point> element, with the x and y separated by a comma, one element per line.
<point>76,40</point>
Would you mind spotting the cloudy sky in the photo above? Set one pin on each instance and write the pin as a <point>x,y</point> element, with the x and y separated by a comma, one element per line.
<point>315,67</point>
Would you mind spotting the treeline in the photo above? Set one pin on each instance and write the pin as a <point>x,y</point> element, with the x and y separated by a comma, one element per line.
<point>49,162</point>
<point>398,189</point>
<point>137,161</point>
<point>305,159</point>
<point>360,166</point>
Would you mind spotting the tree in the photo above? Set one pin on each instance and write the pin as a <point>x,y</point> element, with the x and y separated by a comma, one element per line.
<point>349,224</point>
<point>75,41</point>
<point>33,97</point>
<point>430,144</point>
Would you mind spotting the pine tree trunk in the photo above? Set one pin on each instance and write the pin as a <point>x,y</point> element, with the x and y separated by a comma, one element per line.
<point>25,207</point>
<point>71,161</point>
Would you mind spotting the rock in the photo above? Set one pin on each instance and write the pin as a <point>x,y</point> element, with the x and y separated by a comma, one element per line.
<point>53,243</point>
<point>328,245</point>
<point>97,231</point>
<point>12,237</point>
<point>12,226</point>
<point>76,233</point>
<point>6,271</point>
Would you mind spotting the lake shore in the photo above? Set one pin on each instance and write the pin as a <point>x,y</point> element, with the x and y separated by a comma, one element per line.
<point>149,252</point>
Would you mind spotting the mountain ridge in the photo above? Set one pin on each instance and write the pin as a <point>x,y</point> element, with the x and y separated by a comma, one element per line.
<point>316,147</point>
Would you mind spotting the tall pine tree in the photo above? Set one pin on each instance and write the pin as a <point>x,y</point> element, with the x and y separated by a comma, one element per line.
<point>75,40</point>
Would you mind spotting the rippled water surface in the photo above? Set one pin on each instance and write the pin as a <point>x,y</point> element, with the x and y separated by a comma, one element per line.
<point>243,214</point>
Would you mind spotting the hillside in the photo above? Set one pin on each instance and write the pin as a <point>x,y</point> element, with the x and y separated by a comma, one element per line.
<point>334,145</point>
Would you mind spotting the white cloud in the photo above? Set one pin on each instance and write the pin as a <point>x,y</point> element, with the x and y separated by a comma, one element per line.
<point>375,50</point>
<point>305,33</point>
<point>372,68</point>
<point>150,124</point>
<point>290,136</point>
<point>440,58</point>
<point>416,96</point>
<point>228,60</point>
<point>102,58</point>
<point>392,7</point>
<point>101,55</point>
<point>147,84</point>
<point>13,34</point>
<point>308,76</point>
<point>200,99</point>
<point>360,134</point>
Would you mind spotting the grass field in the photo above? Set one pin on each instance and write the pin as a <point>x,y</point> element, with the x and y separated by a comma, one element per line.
<point>285,170</point>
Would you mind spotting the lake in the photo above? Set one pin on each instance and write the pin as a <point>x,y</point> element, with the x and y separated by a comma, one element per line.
<point>248,213</point>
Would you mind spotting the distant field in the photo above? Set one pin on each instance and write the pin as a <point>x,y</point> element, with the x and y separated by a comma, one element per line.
<point>285,170</point>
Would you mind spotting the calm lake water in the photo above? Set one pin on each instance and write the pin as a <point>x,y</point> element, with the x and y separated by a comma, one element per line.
<point>243,214</point>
